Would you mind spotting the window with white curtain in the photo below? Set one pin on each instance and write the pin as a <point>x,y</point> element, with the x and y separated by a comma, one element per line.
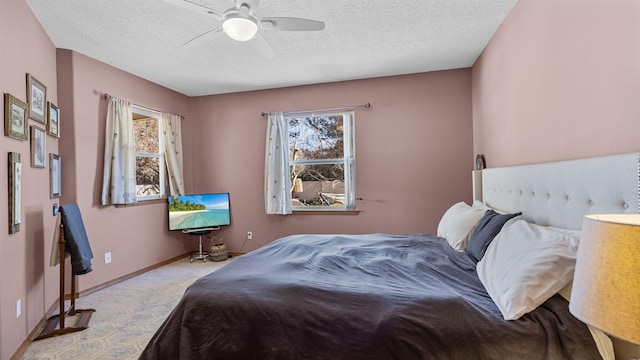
<point>149,154</point>
<point>322,160</point>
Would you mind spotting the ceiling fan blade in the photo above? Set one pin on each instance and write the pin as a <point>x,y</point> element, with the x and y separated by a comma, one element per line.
<point>263,46</point>
<point>291,24</point>
<point>202,38</point>
<point>190,5</point>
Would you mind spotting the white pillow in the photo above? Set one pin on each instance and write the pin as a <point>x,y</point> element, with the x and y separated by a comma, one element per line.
<point>477,204</point>
<point>526,264</point>
<point>480,205</point>
<point>457,223</point>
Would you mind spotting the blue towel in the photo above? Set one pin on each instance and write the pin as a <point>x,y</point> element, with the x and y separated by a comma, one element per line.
<point>76,239</point>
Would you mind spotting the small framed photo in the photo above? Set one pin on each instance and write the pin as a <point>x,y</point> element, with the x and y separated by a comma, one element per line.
<point>37,99</point>
<point>38,147</point>
<point>16,113</point>
<point>53,120</point>
<point>55,176</point>
<point>15,190</point>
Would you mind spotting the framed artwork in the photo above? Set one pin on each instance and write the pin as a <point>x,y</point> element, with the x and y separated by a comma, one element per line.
<point>37,99</point>
<point>55,176</point>
<point>15,188</point>
<point>53,120</point>
<point>16,113</point>
<point>38,148</point>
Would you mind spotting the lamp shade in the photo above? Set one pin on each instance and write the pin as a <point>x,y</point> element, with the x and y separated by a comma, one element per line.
<point>606,285</point>
<point>239,28</point>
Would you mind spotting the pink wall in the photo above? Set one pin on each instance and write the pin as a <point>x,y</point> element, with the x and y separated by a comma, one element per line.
<point>414,153</point>
<point>414,157</point>
<point>559,80</point>
<point>136,235</point>
<point>23,273</point>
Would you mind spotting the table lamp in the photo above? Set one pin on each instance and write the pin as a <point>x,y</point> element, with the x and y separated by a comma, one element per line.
<point>606,285</point>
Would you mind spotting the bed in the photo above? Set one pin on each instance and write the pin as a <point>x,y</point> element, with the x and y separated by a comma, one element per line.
<point>417,296</point>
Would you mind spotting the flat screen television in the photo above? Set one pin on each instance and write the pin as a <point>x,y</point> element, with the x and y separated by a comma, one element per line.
<point>199,211</point>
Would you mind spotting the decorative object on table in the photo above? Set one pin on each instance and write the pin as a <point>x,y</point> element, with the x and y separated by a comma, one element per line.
<point>606,285</point>
<point>15,187</point>
<point>53,120</point>
<point>38,147</point>
<point>218,249</point>
<point>16,113</point>
<point>55,176</point>
<point>37,99</point>
<point>480,162</point>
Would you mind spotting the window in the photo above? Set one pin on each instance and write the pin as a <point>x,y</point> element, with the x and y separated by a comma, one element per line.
<point>322,160</point>
<point>150,175</point>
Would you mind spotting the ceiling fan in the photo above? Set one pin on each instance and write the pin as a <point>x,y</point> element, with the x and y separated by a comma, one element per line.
<point>241,23</point>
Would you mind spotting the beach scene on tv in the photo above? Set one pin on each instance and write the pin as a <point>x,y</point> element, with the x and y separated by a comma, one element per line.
<point>198,211</point>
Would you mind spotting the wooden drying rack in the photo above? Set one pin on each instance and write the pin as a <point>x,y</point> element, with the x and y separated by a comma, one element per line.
<point>54,325</point>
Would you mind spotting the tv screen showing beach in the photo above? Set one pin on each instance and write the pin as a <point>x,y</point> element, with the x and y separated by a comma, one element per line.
<point>198,211</point>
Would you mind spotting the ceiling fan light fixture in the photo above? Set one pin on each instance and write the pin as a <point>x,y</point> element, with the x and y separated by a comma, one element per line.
<point>239,28</point>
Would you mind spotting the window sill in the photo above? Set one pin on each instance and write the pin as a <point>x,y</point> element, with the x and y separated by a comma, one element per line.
<point>325,212</point>
<point>143,202</point>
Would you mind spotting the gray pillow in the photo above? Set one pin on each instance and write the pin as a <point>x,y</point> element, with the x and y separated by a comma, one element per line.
<point>488,227</point>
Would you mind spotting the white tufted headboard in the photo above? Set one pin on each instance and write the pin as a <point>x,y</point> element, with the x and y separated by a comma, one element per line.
<point>561,193</point>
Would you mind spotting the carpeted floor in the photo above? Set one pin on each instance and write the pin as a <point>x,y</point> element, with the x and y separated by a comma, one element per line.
<point>127,314</point>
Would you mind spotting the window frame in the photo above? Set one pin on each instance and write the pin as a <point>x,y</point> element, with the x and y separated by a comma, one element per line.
<point>348,160</point>
<point>151,114</point>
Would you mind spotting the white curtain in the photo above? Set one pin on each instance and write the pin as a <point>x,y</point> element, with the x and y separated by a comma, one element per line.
<point>277,184</point>
<point>119,178</point>
<point>172,137</point>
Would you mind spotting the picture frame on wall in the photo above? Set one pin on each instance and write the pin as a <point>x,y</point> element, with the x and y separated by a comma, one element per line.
<point>16,114</point>
<point>53,120</point>
<point>15,192</point>
<point>37,99</point>
<point>38,147</point>
<point>55,176</point>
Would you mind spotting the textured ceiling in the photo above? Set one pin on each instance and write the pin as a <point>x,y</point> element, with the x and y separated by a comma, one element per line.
<point>361,39</point>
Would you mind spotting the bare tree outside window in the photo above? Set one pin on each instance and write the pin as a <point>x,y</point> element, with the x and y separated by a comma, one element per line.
<point>318,165</point>
<point>149,165</point>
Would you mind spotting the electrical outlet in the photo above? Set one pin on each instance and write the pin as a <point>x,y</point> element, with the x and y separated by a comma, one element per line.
<point>249,235</point>
<point>18,308</point>
<point>107,257</point>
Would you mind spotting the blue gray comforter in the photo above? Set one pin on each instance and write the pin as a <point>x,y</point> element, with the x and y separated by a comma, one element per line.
<point>373,296</point>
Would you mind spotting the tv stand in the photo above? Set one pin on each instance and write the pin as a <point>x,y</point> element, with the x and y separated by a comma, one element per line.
<point>200,255</point>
